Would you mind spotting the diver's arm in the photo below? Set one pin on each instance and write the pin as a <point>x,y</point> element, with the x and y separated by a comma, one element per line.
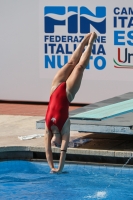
<point>48,150</point>
<point>64,145</point>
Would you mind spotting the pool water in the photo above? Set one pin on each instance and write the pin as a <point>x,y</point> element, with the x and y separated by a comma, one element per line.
<point>33,181</point>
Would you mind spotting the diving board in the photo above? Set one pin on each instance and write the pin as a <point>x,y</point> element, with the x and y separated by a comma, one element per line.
<point>106,111</point>
<point>107,121</point>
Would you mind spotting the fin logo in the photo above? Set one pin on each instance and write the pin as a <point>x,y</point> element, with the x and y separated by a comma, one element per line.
<point>68,16</point>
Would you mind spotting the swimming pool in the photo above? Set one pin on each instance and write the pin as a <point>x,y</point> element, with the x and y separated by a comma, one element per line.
<point>33,180</point>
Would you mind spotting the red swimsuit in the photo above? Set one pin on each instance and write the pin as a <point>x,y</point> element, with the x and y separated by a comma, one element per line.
<point>57,112</point>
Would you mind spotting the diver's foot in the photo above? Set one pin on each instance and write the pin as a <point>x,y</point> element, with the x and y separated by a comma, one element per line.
<point>92,38</point>
<point>86,38</point>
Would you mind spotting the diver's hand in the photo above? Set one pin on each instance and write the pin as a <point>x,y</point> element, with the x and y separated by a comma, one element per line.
<point>55,170</point>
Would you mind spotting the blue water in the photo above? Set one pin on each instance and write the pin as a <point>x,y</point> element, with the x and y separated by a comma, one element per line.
<point>33,181</point>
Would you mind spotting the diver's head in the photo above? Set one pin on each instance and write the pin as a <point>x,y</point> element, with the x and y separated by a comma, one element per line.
<point>56,140</point>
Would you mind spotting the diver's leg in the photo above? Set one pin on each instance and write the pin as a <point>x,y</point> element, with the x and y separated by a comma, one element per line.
<point>63,74</point>
<point>74,80</point>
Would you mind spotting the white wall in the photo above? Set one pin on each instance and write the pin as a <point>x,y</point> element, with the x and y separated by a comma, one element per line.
<point>19,52</point>
<point>20,77</point>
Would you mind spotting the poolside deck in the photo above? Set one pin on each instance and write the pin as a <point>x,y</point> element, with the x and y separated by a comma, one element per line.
<point>18,119</point>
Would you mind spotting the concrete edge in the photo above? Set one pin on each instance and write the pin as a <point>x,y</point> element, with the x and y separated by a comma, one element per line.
<point>85,163</point>
<point>74,151</point>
